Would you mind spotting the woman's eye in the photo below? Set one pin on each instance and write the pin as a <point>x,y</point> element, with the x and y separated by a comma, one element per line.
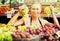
<point>22,9</point>
<point>37,9</point>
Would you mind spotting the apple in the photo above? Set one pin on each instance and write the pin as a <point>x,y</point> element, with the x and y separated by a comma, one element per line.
<point>38,31</point>
<point>28,35</point>
<point>31,32</point>
<point>14,35</point>
<point>34,32</point>
<point>22,35</point>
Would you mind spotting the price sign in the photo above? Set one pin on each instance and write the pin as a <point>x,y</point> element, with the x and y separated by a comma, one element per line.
<point>9,15</point>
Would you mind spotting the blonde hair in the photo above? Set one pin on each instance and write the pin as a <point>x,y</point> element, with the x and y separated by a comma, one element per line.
<point>35,4</point>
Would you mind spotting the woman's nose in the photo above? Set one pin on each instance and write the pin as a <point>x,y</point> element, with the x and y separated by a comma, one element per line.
<point>35,11</point>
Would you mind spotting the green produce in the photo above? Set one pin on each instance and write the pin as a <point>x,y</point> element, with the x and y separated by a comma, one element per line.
<point>7,1</point>
<point>24,10</point>
<point>22,28</point>
<point>56,10</point>
<point>7,36</point>
<point>47,11</point>
<point>2,25</point>
<point>1,38</point>
<point>0,1</point>
<point>33,26</point>
<point>11,28</point>
<point>6,28</point>
<point>14,2</point>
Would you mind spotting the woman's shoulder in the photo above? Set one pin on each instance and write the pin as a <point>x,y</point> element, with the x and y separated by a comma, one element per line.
<point>43,20</point>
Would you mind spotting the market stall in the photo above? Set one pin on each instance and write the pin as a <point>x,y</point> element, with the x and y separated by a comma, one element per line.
<point>9,16</point>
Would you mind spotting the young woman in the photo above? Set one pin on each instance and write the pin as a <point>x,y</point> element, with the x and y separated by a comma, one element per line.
<point>35,10</point>
<point>35,19</point>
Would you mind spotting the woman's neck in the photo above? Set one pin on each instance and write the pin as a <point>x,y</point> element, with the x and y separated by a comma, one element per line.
<point>34,17</point>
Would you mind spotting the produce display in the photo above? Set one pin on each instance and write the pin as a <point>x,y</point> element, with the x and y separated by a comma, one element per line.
<point>21,34</point>
<point>6,28</point>
<point>4,9</point>
<point>8,32</point>
<point>57,10</point>
<point>5,36</point>
<point>5,32</point>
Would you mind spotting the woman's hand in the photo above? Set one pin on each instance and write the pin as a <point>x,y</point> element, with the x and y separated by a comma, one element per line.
<point>20,9</point>
<point>19,22</point>
<point>52,9</point>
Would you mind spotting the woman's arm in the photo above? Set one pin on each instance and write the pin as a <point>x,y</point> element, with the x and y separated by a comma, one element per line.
<point>54,17</point>
<point>19,22</point>
<point>13,19</point>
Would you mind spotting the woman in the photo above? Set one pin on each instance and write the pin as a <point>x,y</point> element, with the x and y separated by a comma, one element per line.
<point>35,19</point>
<point>25,20</point>
<point>35,10</point>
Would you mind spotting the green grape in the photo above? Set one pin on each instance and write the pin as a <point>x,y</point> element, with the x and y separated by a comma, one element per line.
<point>23,28</point>
<point>1,31</point>
<point>3,25</point>
<point>1,38</point>
<point>56,10</point>
<point>7,28</point>
<point>7,36</point>
<point>1,35</point>
<point>10,28</point>
<point>47,11</point>
<point>19,27</point>
<point>25,11</point>
<point>32,27</point>
<point>4,29</point>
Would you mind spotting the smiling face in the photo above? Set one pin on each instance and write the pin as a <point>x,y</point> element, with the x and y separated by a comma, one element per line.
<point>35,9</point>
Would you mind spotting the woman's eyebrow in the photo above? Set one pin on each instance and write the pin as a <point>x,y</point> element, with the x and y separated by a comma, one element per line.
<point>22,9</point>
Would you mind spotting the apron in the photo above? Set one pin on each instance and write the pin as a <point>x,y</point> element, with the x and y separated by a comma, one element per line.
<point>36,26</point>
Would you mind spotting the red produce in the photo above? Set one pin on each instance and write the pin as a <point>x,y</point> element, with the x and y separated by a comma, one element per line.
<point>22,35</point>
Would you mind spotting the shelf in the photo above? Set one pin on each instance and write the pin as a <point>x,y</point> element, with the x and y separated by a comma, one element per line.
<point>4,5</point>
<point>57,15</point>
<point>5,14</point>
<point>2,14</point>
<point>55,4</point>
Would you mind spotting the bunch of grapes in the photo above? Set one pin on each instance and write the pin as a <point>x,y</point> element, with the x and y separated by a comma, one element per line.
<point>47,11</point>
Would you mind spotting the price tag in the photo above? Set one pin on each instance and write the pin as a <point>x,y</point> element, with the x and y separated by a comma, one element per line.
<point>9,15</point>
